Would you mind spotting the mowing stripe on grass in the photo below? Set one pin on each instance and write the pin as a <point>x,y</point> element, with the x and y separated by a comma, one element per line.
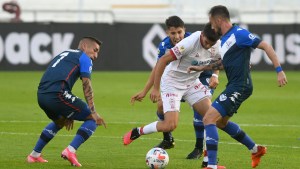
<point>111,137</point>
<point>247,125</point>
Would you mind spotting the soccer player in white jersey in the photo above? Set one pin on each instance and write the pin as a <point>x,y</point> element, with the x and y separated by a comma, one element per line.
<point>175,83</point>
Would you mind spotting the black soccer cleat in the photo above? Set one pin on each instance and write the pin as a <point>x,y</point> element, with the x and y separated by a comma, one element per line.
<point>204,164</point>
<point>195,154</point>
<point>166,144</point>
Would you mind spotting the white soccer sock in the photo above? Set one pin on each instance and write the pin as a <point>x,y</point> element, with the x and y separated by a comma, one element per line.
<point>71,149</point>
<point>254,149</point>
<point>149,128</point>
<point>35,154</point>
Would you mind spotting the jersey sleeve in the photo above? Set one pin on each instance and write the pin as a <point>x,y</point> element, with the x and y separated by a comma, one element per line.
<point>86,66</point>
<point>183,48</point>
<point>161,49</point>
<point>246,39</point>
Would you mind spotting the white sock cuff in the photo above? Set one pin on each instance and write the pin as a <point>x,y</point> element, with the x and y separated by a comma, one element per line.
<point>150,128</point>
<point>35,154</point>
<point>254,149</point>
<point>72,149</point>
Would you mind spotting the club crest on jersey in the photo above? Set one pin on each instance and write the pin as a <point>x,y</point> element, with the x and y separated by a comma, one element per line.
<point>251,36</point>
<point>223,97</point>
<point>181,49</point>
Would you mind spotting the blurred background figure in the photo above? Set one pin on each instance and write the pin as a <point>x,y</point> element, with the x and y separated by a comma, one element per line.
<point>13,7</point>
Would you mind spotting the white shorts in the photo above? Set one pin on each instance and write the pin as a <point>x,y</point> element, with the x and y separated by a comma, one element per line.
<point>171,96</point>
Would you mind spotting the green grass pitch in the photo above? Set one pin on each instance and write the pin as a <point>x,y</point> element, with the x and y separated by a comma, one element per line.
<point>271,116</point>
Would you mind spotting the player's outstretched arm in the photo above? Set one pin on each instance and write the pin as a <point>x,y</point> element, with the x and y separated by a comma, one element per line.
<point>281,77</point>
<point>217,65</point>
<point>89,97</point>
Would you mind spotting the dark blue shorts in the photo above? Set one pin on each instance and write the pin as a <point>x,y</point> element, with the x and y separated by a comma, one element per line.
<point>63,104</point>
<point>229,101</point>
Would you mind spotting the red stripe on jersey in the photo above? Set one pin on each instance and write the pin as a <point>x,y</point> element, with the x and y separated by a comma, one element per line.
<point>71,72</point>
<point>173,54</point>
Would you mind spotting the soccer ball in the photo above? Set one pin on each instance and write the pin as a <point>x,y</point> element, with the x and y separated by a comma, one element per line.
<point>157,158</point>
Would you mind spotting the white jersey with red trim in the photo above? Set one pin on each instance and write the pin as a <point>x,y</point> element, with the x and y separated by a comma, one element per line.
<point>188,51</point>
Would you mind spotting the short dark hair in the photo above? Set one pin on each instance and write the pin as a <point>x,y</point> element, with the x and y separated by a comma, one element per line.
<point>210,33</point>
<point>93,39</point>
<point>174,21</point>
<point>219,10</point>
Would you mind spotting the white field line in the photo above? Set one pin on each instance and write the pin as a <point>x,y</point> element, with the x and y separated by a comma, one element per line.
<point>119,138</point>
<point>143,123</point>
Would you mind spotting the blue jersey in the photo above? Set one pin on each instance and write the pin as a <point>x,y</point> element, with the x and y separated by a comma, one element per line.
<point>64,70</point>
<point>236,47</point>
<point>166,44</point>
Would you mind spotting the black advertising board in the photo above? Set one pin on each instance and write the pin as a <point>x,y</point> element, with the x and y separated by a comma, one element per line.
<point>127,47</point>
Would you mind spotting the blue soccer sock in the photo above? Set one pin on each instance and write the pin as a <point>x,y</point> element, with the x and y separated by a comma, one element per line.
<point>47,134</point>
<point>83,133</point>
<point>161,116</point>
<point>212,140</point>
<point>199,130</point>
<point>238,134</point>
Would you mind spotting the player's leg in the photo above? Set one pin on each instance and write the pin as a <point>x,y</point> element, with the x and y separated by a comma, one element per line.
<point>171,105</point>
<point>199,132</point>
<point>210,119</point>
<point>168,140</point>
<point>46,102</point>
<point>226,108</point>
<point>75,109</point>
<point>46,136</point>
<point>169,124</point>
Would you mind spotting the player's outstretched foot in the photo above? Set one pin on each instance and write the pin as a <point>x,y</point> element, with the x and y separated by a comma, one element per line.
<point>195,154</point>
<point>218,167</point>
<point>166,144</point>
<point>71,157</point>
<point>130,136</point>
<point>261,150</point>
<point>31,159</point>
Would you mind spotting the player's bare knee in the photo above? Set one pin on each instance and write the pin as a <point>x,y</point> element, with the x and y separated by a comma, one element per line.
<point>168,127</point>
